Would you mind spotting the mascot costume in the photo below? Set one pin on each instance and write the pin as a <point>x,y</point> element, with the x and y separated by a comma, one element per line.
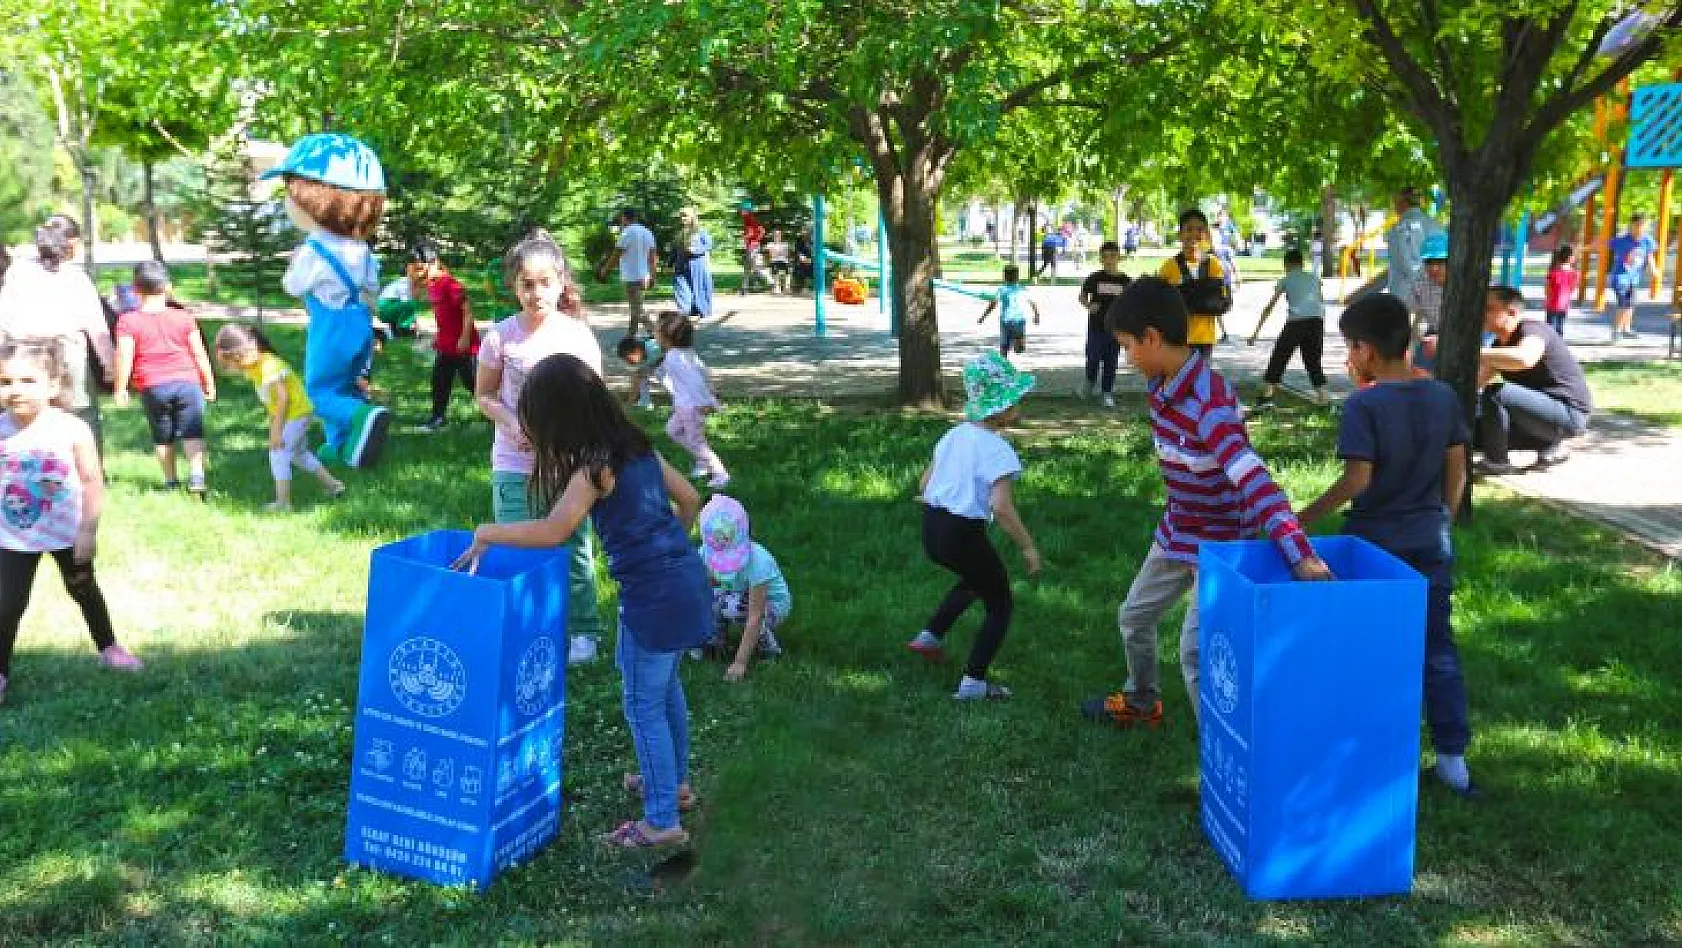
<point>335,193</point>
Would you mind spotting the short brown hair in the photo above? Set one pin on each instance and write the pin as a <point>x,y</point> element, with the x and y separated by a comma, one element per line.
<point>346,213</point>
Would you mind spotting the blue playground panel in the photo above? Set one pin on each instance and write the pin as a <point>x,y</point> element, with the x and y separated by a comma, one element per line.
<point>456,762</point>
<point>1655,127</point>
<point>1310,693</point>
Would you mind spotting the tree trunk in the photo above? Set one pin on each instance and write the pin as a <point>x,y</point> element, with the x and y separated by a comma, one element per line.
<point>1118,198</point>
<point>908,202</point>
<point>1015,225</point>
<point>1328,233</point>
<point>90,226</point>
<point>153,227</point>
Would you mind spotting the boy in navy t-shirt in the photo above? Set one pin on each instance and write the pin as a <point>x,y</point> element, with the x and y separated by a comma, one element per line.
<point>1403,443</point>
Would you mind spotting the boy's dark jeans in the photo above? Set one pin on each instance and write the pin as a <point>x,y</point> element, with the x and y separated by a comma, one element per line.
<point>1445,687</point>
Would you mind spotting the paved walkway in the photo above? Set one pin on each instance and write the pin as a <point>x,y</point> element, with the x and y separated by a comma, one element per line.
<point>1623,473</point>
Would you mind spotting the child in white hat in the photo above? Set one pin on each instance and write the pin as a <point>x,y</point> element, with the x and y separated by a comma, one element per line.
<point>748,585</point>
<point>969,482</point>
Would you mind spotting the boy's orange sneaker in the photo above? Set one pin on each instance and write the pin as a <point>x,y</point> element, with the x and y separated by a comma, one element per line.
<point>1114,709</point>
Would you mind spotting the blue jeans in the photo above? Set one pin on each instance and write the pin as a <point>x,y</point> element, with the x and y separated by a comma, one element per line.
<point>1512,416</point>
<point>658,718</point>
<point>1445,686</point>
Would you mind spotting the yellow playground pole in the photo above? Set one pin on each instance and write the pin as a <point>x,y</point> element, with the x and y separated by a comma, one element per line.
<point>1585,246</point>
<point>1608,220</point>
<point>1665,184</point>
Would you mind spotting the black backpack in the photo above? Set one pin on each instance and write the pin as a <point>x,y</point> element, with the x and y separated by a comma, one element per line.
<point>1205,295</point>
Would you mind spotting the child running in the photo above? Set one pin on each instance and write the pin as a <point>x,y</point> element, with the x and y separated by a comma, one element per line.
<point>244,349</point>
<point>1561,283</point>
<point>456,342</point>
<point>690,385</point>
<point>748,586</point>
<point>53,490</point>
<point>1013,302</point>
<point>550,321</point>
<point>970,481</point>
<point>1305,329</point>
<point>161,354</point>
<point>1403,443</point>
<point>591,461</point>
<point>645,357</point>
<point>1218,489</point>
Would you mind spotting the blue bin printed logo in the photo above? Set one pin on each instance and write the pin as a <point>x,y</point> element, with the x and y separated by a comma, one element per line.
<point>427,677</point>
<point>534,680</point>
<point>1223,671</point>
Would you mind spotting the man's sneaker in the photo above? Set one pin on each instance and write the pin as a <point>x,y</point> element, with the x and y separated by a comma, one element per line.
<point>115,656</point>
<point>971,690</point>
<point>1496,468</point>
<point>368,436</point>
<point>582,651</point>
<point>1114,709</point>
<point>928,646</point>
<point>1552,457</point>
<point>1109,400</point>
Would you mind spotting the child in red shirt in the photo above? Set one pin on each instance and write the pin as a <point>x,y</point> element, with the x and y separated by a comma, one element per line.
<point>1562,282</point>
<point>457,340</point>
<point>161,354</point>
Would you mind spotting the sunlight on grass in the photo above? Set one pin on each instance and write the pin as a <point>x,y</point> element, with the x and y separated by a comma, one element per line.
<point>847,798</point>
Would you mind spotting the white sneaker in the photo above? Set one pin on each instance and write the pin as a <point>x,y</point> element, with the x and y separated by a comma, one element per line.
<point>719,481</point>
<point>582,651</point>
<point>1109,401</point>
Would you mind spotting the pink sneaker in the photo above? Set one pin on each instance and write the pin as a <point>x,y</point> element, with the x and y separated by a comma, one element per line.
<point>115,656</point>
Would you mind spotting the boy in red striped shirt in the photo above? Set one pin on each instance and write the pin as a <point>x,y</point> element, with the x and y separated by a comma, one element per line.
<point>1218,489</point>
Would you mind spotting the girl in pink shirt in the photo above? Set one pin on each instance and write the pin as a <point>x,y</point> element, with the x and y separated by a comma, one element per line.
<point>550,321</point>
<point>1562,282</point>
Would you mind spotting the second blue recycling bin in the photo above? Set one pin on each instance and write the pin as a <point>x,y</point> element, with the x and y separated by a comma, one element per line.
<point>1310,694</point>
<point>456,761</point>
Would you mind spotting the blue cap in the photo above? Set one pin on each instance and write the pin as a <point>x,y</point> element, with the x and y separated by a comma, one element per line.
<point>1434,247</point>
<point>331,158</point>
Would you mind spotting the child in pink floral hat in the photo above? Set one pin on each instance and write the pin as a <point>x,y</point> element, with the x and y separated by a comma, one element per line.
<point>748,586</point>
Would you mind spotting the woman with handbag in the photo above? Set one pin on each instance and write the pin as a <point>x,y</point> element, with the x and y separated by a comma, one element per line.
<point>51,298</point>
<point>1201,280</point>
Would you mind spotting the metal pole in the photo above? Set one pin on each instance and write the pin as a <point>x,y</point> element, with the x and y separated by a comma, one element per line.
<point>1521,245</point>
<point>883,298</point>
<point>818,262</point>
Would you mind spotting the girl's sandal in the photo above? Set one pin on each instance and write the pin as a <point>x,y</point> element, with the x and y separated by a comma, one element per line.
<point>629,835</point>
<point>686,799</point>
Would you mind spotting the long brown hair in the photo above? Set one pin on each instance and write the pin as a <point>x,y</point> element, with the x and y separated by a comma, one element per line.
<point>346,213</point>
<point>574,424</point>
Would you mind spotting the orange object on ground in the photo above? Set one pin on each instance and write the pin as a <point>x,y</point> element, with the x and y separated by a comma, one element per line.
<point>849,291</point>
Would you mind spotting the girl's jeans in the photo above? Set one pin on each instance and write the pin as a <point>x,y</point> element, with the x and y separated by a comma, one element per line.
<point>658,718</point>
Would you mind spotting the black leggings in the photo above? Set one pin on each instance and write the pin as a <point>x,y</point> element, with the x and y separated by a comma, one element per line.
<point>1310,336</point>
<point>446,369</point>
<point>961,545</point>
<point>17,579</point>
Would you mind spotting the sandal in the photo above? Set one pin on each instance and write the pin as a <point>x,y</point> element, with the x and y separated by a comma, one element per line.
<point>686,799</point>
<point>630,835</point>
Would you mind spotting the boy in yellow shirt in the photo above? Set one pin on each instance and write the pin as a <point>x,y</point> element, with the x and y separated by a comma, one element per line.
<point>1201,280</point>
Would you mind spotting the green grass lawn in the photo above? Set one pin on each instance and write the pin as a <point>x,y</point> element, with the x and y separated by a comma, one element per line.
<point>1649,391</point>
<point>848,799</point>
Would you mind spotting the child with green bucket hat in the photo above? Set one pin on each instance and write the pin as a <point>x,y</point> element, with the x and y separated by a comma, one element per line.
<point>969,482</point>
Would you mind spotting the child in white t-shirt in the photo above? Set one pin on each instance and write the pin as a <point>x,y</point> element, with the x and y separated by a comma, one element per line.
<point>685,377</point>
<point>969,482</point>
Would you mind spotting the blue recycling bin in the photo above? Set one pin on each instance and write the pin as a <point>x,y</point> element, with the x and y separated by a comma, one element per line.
<point>456,762</point>
<point>1310,695</point>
